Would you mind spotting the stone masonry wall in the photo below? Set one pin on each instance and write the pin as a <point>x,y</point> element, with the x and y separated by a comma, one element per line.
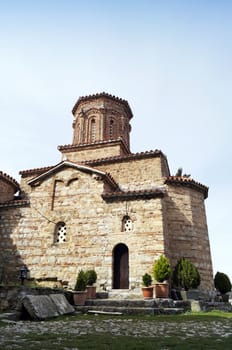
<point>82,154</point>
<point>93,229</point>
<point>137,174</point>
<point>187,230</point>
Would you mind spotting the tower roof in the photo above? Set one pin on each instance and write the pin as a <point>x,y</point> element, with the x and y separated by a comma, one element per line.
<point>102,95</point>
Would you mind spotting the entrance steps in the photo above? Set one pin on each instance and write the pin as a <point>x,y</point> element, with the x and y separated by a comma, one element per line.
<point>134,306</point>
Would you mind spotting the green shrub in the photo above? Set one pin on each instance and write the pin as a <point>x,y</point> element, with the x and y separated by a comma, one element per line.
<point>162,269</point>
<point>222,282</point>
<point>91,277</point>
<point>186,275</point>
<point>81,281</point>
<point>147,280</point>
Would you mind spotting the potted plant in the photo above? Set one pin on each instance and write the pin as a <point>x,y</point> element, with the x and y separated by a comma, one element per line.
<point>187,278</point>
<point>161,272</point>
<point>80,293</point>
<point>91,277</point>
<point>147,288</point>
<point>223,285</point>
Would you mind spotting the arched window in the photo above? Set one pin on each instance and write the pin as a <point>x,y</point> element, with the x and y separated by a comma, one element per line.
<point>127,224</point>
<point>111,129</point>
<point>93,130</point>
<point>60,232</point>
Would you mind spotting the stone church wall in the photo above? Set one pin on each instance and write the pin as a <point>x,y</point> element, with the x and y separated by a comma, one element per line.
<point>63,223</point>
<point>137,174</point>
<point>110,150</point>
<point>93,228</point>
<point>187,230</point>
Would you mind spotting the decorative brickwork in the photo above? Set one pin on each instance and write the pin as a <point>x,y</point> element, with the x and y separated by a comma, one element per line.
<point>103,207</point>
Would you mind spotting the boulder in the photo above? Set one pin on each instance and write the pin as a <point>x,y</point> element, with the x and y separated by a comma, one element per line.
<point>41,307</point>
<point>62,304</point>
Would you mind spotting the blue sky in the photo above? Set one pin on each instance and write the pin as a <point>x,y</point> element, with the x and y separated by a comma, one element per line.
<point>170,59</point>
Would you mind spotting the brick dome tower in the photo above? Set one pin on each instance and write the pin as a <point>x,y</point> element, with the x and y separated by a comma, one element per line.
<point>101,124</point>
<point>101,117</point>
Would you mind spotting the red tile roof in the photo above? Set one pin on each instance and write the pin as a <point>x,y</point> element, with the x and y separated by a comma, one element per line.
<point>138,194</point>
<point>131,156</point>
<point>71,147</point>
<point>188,182</point>
<point>101,95</point>
<point>35,171</point>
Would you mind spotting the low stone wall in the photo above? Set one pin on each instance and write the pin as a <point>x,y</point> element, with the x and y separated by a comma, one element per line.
<point>11,296</point>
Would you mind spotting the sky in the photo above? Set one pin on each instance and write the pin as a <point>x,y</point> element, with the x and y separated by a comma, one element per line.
<point>171,60</point>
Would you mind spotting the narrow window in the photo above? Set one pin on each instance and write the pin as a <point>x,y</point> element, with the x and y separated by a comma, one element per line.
<point>111,128</point>
<point>93,130</point>
<point>126,224</point>
<point>60,232</point>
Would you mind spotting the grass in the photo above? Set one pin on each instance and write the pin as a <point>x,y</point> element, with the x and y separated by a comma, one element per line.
<point>107,341</point>
<point>213,315</point>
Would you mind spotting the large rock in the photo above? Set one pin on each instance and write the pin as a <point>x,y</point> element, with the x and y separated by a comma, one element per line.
<point>62,304</point>
<point>40,307</point>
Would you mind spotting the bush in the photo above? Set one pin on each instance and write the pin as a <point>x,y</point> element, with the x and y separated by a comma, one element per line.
<point>81,281</point>
<point>91,277</point>
<point>162,269</point>
<point>222,282</point>
<point>147,280</point>
<point>186,275</point>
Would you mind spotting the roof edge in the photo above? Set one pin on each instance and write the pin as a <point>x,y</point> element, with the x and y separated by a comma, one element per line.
<point>72,147</point>
<point>133,195</point>
<point>188,182</point>
<point>100,95</point>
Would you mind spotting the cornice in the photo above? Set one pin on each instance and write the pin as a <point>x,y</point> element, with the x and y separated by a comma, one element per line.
<point>102,95</point>
<point>133,195</point>
<point>71,147</point>
<point>126,158</point>
<point>187,182</point>
<point>35,171</point>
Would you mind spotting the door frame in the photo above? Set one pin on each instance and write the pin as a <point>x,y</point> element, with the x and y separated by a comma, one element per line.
<point>120,260</point>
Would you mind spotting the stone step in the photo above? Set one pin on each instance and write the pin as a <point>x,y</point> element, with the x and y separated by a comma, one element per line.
<point>120,310</point>
<point>152,303</point>
<point>156,306</point>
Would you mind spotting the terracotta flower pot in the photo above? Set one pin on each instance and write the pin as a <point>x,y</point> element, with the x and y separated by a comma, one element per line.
<point>161,290</point>
<point>147,292</point>
<point>79,297</point>
<point>91,292</point>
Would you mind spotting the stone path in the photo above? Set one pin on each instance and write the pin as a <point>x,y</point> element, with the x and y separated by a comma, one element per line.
<point>117,326</point>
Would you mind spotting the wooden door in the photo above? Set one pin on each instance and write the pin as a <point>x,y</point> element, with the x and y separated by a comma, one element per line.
<point>120,267</point>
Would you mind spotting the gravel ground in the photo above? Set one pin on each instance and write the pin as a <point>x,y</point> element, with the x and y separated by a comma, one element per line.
<point>137,328</point>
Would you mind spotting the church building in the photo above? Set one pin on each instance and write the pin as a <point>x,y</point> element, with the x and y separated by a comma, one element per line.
<point>103,207</point>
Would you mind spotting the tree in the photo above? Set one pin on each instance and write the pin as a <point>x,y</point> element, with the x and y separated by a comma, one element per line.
<point>162,269</point>
<point>222,283</point>
<point>81,281</point>
<point>186,275</point>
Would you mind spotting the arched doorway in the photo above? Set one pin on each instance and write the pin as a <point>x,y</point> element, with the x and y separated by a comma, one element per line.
<point>120,267</point>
